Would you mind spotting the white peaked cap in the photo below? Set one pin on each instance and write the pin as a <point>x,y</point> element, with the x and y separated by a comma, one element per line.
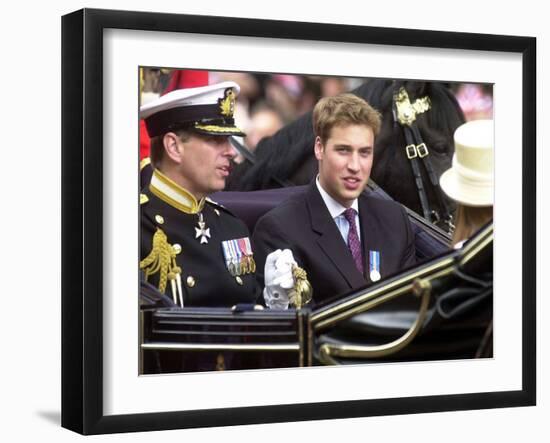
<point>207,109</point>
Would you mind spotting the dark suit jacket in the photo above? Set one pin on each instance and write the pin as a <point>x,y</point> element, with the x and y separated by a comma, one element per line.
<point>304,225</point>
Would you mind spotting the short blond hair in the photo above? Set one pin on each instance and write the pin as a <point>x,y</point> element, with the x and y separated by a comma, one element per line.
<point>343,110</point>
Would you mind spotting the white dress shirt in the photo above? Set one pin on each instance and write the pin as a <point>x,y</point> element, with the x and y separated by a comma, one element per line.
<point>336,211</point>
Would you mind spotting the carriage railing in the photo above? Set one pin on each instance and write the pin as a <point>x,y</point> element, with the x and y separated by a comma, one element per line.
<point>253,338</point>
<point>327,352</point>
<point>418,283</point>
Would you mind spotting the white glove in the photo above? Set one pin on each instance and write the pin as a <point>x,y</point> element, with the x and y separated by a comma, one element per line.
<point>278,278</point>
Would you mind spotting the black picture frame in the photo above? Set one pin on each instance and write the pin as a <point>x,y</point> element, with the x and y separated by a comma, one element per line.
<point>82,219</point>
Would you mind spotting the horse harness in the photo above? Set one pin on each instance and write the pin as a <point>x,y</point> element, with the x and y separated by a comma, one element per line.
<point>404,113</point>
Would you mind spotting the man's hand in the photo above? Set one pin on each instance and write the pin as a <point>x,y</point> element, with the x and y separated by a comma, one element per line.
<point>278,278</point>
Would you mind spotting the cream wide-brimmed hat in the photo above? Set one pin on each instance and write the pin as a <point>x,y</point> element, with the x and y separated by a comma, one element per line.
<point>470,179</point>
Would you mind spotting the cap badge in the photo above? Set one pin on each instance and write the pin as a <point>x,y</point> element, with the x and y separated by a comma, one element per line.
<point>227,104</point>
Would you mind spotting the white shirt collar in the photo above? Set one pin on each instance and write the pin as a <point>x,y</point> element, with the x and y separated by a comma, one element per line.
<point>332,205</point>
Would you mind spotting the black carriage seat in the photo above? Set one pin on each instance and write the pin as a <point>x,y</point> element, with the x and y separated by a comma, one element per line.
<point>250,206</point>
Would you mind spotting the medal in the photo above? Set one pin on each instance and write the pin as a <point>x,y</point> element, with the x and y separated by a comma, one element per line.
<point>251,264</point>
<point>374,262</point>
<point>249,256</point>
<point>202,231</point>
<point>238,256</point>
<point>231,256</point>
<point>244,254</point>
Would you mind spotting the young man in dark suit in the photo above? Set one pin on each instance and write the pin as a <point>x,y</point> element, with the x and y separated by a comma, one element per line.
<point>343,238</point>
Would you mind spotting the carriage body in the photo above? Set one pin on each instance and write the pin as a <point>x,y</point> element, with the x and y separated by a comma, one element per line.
<point>438,310</point>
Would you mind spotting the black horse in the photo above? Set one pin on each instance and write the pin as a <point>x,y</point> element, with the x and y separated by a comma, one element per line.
<point>287,158</point>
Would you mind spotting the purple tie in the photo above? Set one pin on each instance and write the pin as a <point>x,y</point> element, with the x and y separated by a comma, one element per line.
<point>354,244</point>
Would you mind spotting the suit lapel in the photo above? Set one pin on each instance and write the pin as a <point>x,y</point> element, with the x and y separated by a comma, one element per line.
<point>330,239</point>
<point>371,238</point>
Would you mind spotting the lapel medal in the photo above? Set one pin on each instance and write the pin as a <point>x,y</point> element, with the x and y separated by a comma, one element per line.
<point>202,231</point>
<point>374,262</point>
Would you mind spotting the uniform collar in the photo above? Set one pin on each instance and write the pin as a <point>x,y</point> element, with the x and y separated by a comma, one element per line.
<point>173,194</point>
<point>335,208</point>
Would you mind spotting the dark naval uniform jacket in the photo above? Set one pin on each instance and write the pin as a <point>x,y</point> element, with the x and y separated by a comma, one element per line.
<point>304,225</point>
<point>178,255</point>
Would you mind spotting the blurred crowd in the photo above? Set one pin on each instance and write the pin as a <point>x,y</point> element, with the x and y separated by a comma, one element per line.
<point>269,101</point>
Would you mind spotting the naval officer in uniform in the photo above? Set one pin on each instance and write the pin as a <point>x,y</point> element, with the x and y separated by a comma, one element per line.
<point>192,249</point>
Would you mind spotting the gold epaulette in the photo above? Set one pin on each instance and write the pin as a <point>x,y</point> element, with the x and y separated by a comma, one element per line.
<point>162,260</point>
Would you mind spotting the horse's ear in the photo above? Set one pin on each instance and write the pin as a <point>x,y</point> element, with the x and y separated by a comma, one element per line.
<point>318,148</point>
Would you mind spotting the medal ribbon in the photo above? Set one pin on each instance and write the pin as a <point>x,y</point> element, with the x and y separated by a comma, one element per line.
<point>238,256</point>
<point>374,261</point>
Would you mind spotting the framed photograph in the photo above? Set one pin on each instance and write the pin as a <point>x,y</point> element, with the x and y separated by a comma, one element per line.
<point>118,370</point>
